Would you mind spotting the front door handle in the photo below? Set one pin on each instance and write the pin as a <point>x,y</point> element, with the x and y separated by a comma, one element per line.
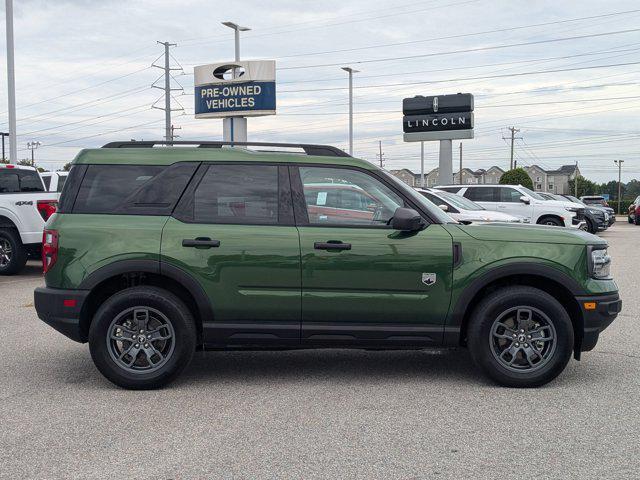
<point>200,242</point>
<point>332,245</point>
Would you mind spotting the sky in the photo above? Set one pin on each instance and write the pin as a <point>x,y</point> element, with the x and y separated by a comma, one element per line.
<point>567,74</point>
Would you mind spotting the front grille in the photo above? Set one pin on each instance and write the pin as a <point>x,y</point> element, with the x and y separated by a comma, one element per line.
<point>580,214</point>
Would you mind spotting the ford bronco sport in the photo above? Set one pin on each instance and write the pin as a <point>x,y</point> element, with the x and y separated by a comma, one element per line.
<point>156,252</point>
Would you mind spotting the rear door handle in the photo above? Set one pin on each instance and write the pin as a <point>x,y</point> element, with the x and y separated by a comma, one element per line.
<point>332,245</point>
<point>200,242</point>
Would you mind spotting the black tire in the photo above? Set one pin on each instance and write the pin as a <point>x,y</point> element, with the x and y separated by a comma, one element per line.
<point>480,336</point>
<point>591,228</point>
<point>17,254</point>
<point>636,219</point>
<point>629,219</point>
<point>162,304</point>
<point>551,221</point>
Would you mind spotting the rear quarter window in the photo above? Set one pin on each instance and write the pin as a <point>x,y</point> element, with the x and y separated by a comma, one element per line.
<point>132,189</point>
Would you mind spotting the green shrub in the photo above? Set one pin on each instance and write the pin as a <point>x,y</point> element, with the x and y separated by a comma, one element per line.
<point>517,176</point>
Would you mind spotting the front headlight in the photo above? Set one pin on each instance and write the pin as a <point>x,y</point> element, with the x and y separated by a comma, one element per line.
<point>599,262</point>
<point>571,209</point>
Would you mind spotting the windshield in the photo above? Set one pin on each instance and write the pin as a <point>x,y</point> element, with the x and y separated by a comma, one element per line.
<point>458,201</point>
<point>575,200</point>
<point>532,194</point>
<point>433,210</point>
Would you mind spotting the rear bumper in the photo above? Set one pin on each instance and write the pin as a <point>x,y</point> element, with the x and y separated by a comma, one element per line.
<point>607,308</point>
<point>60,309</point>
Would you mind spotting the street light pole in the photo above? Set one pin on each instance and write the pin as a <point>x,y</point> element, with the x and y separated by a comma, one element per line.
<point>235,128</point>
<point>619,165</point>
<point>351,71</point>
<point>11,84</point>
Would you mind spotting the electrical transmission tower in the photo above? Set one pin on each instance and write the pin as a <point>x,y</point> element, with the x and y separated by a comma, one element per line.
<point>167,77</point>
<point>513,130</point>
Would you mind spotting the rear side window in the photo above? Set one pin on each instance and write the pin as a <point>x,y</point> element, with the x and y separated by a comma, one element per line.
<point>20,181</point>
<point>482,194</point>
<point>244,194</point>
<point>47,182</point>
<point>61,180</point>
<point>132,189</point>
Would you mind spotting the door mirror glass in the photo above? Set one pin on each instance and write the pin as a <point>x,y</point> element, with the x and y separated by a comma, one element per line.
<point>444,208</point>
<point>407,220</point>
<point>525,200</point>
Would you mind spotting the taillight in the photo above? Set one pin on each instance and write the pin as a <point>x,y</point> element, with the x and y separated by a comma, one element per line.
<point>47,208</point>
<point>49,249</point>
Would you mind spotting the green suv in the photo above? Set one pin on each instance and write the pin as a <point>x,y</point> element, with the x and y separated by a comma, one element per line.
<point>158,250</point>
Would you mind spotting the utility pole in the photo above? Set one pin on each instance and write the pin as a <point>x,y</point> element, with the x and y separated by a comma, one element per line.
<point>513,130</point>
<point>351,71</point>
<point>32,146</point>
<point>173,129</point>
<point>619,164</point>
<point>3,134</point>
<point>234,129</point>
<point>380,155</point>
<point>11,85</point>
<point>576,181</point>
<point>460,174</point>
<point>167,90</point>
<point>422,164</point>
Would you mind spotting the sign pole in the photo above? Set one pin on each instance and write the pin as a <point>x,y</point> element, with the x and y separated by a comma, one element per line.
<point>445,165</point>
<point>422,164</point>
<point>11,84</point>
<point>234,129</point>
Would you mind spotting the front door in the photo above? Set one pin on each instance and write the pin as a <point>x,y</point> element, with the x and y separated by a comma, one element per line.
<point>363,282</point>
<point>233,231</point>
<point>511,203</point>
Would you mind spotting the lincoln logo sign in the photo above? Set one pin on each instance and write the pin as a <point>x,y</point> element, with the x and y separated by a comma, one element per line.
<point>443,117</point>
<point>242,89</point>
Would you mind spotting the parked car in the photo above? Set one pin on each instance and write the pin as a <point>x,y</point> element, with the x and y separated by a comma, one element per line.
<point>633,215</point>
<point>155,252</point>
<point>463,209</point>
<point>521,202</point>
<point>596,217</point>
<point>610,213</point>
<point>595,200</point>
<point>24,207</point>
<point>54,181</point>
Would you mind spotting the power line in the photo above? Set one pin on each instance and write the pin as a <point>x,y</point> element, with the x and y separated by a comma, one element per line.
<point>468,50</point>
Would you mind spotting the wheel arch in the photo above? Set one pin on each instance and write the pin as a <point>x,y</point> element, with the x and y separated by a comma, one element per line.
<point>7,222</point>
<point>550,215</point>
<point>548,279</point>
<point>117,276</point>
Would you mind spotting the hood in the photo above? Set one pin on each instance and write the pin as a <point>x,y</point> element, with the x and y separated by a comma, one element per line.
<point>518,232</point>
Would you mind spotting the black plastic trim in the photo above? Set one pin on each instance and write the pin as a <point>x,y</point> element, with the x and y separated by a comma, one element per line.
<point>49,304</point>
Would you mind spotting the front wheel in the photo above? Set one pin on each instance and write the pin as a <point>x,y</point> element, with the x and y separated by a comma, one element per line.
<point>551,221</point>
<point>636,219</point>
<point>142,337</point>
<point>520,336</point>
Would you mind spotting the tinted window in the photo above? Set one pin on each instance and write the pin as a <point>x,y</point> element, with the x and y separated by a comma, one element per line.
<point>17,180</point>
<point>47,182</point>
<point>346,197</point>
<point>61,180</point>
<point>450,189</point>
<point>510,195</point>
<point>106,188</point>
<point>482,194</point>
<point>237,194</point>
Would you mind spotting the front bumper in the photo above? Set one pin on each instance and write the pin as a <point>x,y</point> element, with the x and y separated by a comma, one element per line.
<point>61,309</point>
<point>598,311</point>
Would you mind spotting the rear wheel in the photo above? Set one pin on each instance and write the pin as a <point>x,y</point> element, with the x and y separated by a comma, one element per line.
<point>521,337</point>
<point>552,221</point>
<point>636,219</point>
<point>629,219</point>
<point>142,337</point>
<point>13,255</point>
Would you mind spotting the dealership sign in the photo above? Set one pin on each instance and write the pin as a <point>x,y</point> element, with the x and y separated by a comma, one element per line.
<point>246,89</point>
<point>445,117</point>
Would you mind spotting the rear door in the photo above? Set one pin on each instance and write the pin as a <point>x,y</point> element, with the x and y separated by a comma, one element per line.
<point>364,283</point>
<point>234,232</point>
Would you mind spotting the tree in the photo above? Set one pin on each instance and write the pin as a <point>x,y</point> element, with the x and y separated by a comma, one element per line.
<point>517,176</point>
<point>585,187</point>
<point>67,167</point>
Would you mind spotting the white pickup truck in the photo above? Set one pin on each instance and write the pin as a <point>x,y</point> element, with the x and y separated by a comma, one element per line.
<point>25,205</point>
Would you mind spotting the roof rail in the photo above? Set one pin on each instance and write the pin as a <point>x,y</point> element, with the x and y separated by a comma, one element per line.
<point>320,150</point>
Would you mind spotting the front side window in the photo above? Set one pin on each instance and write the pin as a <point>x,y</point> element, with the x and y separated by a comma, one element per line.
<point>237,194</point>
<point>338,196</point>
<point>510,195</point>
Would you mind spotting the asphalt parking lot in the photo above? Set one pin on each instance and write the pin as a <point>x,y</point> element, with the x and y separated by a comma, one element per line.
<point>318,414</point>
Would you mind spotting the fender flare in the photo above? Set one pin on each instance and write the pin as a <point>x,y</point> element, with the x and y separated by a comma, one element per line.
<point>157,267</point>
<point>519,268</point>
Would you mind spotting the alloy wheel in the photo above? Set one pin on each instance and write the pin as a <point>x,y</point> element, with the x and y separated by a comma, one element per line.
<point>141,340</point>
<point>523,339</point>
<point>6,252</point>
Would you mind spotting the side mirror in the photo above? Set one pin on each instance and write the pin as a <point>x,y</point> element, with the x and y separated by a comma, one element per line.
<point>406,219</point>
<point>525,200</point>
<point>444,208</point>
